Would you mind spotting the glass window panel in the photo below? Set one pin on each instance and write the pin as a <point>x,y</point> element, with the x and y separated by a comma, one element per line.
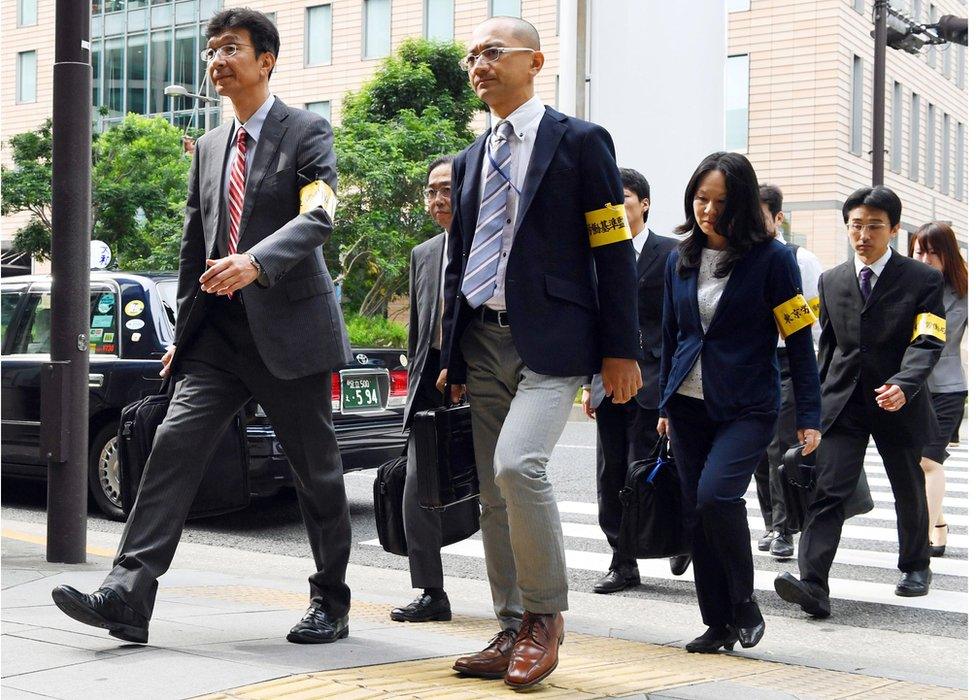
<point>162,2</point>
<point>26,13</point>
<point>97,26</point>
<point>186,12</point>
<point>160,70</point>
<point>859,6</point>
<point>737,103</point>
<point>27,76</point>
<point>36,335</point>
<point>933,51</point>
<point>96,61</point>
<point>897,128</point>
<point>9,299</point>
<point>318,35</point>
<point>736,5</point>
<point>930,146</point>
<point>914,128</point>
<point>103,333</point>
<point>961,66</point>
<point>136,74</point>
<point>946,151</point>
<point>115,22</point>
<point>439,20</point>
<point>112,70</point>
<point>324,108</point>
<point>857,105</point>
<point>509,8</point>
<point>96,7</point>
<point>184,65</point>
<point>376,28</point>
<point>162,16</point>
<point>137,20</point>
<point>208,8</point>
<point>136,3</point>
<point>960,160</point>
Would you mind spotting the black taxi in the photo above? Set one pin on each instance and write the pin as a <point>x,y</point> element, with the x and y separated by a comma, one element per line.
<point>132,321</point>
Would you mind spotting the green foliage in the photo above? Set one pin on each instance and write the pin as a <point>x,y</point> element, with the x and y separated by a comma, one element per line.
<point>375,332</point>
<point>417,107</point>
<point>139,176</point>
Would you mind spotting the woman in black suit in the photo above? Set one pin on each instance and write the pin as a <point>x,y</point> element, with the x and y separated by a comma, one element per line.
<point>729,288</point>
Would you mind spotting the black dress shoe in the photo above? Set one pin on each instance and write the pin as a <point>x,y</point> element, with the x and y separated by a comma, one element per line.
<point>680,564</point>
<point>749,625</point>
<point>715,638</point>
<point>316,627</point>
<point>424,609</point>
<point>914,584</point>
<point>782,546</point>
<point>811,601</point>
<point>103,608</point>
<point>939,550</point>
<point>616,581</point>
<point>766,540</point>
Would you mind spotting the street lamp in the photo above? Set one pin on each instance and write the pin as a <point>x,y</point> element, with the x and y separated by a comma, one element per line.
<point>180,91</point>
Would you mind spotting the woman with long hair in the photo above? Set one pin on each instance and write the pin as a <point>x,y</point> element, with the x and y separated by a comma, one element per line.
<point>935,245</point>
<point>729,288</point>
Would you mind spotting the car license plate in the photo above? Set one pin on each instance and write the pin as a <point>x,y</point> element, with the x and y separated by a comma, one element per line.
<point>360,392</point>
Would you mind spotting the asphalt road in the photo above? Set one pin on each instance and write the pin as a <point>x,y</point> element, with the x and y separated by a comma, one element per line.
<point>274,525</point>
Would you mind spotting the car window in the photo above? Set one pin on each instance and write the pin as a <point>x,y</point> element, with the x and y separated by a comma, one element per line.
<point>8,305</point>
<point>167,293</point>
<point>102,332</point>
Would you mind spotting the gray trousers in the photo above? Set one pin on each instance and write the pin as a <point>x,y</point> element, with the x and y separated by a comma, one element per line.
<point>517,416</point>
<point>423,530</point>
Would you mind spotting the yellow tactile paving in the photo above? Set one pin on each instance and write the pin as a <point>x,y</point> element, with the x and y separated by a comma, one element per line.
<point>589,667</point>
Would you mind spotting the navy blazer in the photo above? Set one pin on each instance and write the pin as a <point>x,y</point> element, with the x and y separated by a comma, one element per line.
<point>563,321</point>
<point>740,372</point>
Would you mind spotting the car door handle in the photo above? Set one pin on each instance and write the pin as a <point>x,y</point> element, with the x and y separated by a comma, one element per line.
<point>96,381</point>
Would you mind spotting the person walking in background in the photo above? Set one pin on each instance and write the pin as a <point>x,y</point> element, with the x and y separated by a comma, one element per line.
<point>883,331</point>
<point>626,432</point>
<point>729,288</point>
<point>935,245</point>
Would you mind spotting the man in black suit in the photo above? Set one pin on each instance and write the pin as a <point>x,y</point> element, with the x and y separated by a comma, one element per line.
<point>257,318</point>
<point>883,329</point>
<point>627,432</point>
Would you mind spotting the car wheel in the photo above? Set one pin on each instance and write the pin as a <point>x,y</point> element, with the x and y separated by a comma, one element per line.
<point>103,472</point>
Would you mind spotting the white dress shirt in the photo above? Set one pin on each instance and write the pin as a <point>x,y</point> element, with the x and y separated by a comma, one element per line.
<point>639,240</point>
<point>436,342</point>
<point>876,267</point>
<point>253,128</point>
<point>525,123</point>
<point>810,271</point>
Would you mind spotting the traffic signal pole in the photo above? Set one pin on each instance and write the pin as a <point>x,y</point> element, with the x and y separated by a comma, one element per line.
<point>64,380</point>
<point>878,106</point>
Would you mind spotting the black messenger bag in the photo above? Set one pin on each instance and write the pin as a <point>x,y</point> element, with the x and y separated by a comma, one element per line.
<point>798,479</point>
<point>446,471</point>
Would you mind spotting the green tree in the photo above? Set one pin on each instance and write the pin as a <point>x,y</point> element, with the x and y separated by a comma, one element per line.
<point>139,175</point>
<point>416,107</point>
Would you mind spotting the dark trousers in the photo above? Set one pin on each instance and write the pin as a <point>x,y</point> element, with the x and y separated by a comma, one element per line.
<point>772,503</point>
<point>840,460</point>
<point>716,461</point>
<point>625,433</point>
<point>219,371</point>
<point>423,526</point>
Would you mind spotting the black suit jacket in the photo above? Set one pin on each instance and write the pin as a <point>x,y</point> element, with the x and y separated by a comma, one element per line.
<point>569,305</point>
<point>650,303</point>
<point>867,344</point>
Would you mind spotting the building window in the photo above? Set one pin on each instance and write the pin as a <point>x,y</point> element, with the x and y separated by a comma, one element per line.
<point>323,108</point>
<point>914,128</point>
<point>160,70</point>
<point>857,105</point>
<point>930,146</point>
<point>736,5</point>
<point>944,163</point>
<point>26,13</point>
<point>960,66</point>
<point>960,160</point>
<point>507,8</point>
<point>896,127</point>
<point>737,103</point>
<point>376,28</point>
<point>932,50</point>
<point>136,73</point>
<point>96,63</point>
<point>27,76</point>
<point>318,35</point>
<point>439,20</point>
<point>859,6</point>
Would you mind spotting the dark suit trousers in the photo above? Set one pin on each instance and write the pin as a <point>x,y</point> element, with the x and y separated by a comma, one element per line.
<point>716,461</point>
<point>840,460</point>
<point>625,433</point>
<point>772,503</point>
<point>219,371</point>
<point>423,526</point>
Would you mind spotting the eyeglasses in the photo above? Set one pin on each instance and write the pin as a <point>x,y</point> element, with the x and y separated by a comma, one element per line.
<point>430,194</point>
<point>857,227</point>
<point>489,55</point>
<point>227,50</point>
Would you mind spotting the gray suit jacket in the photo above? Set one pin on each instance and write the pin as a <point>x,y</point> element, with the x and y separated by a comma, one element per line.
<point>295,320</point>
<point>425,314</point>
<point>948,375</point>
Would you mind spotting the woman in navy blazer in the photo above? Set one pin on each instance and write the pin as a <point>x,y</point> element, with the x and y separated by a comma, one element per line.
<point>729,289</point>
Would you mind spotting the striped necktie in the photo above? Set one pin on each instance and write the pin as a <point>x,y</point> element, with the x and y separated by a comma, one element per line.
<point>486,248</point>
<point>235,198</point>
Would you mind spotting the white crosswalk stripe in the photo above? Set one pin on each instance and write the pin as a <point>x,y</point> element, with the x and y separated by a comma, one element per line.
<point>868,542</point>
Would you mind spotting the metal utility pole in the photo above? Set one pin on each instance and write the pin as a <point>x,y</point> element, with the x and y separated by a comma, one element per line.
<point>64,380</point>
<point>878,111</point>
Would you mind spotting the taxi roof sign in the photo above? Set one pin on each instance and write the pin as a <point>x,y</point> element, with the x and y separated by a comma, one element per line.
<point>101,255</point>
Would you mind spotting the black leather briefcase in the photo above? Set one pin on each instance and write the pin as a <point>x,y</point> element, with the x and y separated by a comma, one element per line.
<point>798,479</point>
<point>446,471</point>
<point>224,488</point>
<point>651,523</point>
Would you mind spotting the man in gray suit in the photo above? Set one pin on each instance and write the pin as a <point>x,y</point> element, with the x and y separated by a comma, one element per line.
<point>422,526</point>
<point>257,318</point>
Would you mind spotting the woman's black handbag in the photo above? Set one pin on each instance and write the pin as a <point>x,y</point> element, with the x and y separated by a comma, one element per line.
<point>798,479</point>
<point>651,526</point>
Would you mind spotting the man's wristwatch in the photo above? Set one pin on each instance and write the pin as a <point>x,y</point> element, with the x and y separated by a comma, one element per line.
<point>257,265</point>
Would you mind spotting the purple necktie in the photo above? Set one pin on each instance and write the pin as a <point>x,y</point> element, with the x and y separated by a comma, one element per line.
<point>865,276</point>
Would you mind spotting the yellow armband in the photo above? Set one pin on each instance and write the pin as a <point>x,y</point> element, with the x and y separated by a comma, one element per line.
<point>814,303</point>
<point>317,194</point>
<point>929,324</point>
<point>793,315</point>
<point>607,225</point>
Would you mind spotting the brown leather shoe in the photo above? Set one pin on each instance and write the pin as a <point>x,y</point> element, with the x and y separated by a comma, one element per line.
<point>536,651</point>
<point>492,661</point>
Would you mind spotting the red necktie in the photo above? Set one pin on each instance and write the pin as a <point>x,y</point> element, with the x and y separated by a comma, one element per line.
<point>235,199</point>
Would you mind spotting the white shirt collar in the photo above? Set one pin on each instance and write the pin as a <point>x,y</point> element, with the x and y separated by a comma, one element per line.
<point>256,122</point>
<point>640,239</point>
<point>522,118</point>
<point>876,267</point>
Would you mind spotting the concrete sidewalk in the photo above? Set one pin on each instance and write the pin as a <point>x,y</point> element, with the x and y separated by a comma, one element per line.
<point>222,614</point>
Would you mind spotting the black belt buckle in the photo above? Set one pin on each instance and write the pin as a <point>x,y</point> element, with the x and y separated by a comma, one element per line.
<point>489,315</point>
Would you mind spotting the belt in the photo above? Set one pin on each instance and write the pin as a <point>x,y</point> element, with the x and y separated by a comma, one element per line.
<point>487,315</point>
